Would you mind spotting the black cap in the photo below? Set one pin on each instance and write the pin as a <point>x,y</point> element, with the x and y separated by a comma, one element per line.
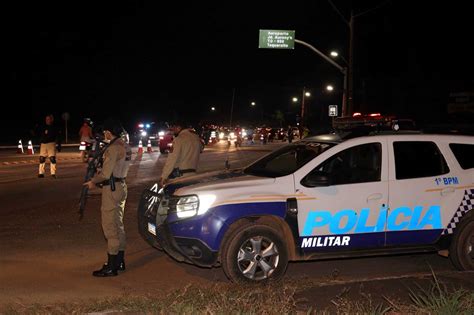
<point>114,126</point>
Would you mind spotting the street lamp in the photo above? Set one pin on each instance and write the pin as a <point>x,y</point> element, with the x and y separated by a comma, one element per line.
<point>213,109</point>
<point>335,54</point>
<point>303,96</point>
<point>253,104</point>
<point>329,88</point>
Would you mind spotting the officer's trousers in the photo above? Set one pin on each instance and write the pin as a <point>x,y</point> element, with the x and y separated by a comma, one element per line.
<point>112,210</point>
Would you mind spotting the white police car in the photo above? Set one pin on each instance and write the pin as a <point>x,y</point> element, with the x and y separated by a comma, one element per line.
<point>322,197</point>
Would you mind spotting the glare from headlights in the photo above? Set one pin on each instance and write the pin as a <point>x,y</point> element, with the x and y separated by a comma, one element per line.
<point>221,135</point>
<point>161,133</point>
<point>205,202</point>
<point>143,133</point>
<point>187,206</point>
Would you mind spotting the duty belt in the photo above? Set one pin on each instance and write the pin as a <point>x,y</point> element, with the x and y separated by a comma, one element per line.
<point>189,170</point>
<point>116,179</point>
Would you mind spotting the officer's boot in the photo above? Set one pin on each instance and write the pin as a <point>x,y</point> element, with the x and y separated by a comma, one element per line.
<point>109,269</point>
<point>121,261</point>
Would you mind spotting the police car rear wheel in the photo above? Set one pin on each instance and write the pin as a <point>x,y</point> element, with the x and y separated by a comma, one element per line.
<point>462,247</point>
<point>255,253</point>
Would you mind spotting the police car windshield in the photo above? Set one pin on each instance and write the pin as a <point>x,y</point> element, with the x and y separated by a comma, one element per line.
<point>287,160</point>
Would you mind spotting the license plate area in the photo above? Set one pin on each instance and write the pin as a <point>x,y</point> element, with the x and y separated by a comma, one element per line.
<point>152,228</point>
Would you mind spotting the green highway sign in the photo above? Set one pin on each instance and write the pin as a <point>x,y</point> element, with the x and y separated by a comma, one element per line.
<point>276,39</point>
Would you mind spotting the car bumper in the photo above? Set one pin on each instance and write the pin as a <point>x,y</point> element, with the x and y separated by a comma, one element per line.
<point>183,249</point>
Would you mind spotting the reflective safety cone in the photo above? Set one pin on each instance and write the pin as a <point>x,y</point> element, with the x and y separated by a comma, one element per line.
<point>20,148</point>
<point>140,147</point>
<point>30,148</point>
<point>148,147</point>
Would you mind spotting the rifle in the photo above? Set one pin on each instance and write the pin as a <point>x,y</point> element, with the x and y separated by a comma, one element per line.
<point>92,165</point>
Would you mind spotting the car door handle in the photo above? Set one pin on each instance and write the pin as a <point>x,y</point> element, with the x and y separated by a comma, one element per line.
<point>376,196</point>
<point>447,191</point>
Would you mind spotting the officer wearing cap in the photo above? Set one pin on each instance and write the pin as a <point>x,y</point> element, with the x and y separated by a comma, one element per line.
<point>114,194</point>
<point>184,158</point>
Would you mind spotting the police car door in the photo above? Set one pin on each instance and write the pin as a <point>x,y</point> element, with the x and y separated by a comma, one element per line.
<point>422,188</point>
<point>344,193</point>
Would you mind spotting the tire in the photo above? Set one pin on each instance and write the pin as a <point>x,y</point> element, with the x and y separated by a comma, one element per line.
<point>243,255</point>
<point>461,251</point>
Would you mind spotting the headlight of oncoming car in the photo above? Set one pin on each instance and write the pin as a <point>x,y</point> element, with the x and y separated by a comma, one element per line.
<point>189,206</point>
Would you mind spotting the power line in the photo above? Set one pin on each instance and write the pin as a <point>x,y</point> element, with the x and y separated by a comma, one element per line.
<point>374,8</point>
<point>338,12</point>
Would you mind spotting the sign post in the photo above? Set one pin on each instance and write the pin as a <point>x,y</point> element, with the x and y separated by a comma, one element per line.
<point>65,116</point>
<point>332,113</point>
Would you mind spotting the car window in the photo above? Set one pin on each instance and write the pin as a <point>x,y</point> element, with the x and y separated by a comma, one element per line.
<point>415,159</point>
<point>359,164</point>
<point>464,154</point>
<point>286,160</point>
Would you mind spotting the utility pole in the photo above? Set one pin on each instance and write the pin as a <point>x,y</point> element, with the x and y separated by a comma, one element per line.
<point>302,106</point>
<point>349,107</point>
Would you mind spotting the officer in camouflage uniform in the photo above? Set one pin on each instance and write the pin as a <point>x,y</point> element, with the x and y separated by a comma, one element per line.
<point>114,193</point>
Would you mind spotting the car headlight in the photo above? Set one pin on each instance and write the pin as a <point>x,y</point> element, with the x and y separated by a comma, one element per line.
<point>221,135</point>
<point>143,133</point>
<point>161,133</point>
<point>189,206</point>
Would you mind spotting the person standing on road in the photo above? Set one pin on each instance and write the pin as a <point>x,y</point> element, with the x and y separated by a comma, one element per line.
<point>86,132</point>
<point>290,134</point>
<point>114,194</point>
<point>184,158</point>
<point>49,137</point>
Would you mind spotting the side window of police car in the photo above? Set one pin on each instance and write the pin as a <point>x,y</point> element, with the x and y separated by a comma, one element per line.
<point>415,159</point>
<point>464,154</point>
<point>359,164</point>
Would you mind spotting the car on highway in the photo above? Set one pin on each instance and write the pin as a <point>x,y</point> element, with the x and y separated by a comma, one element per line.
<point>165,143</point>
<point>326,196</point>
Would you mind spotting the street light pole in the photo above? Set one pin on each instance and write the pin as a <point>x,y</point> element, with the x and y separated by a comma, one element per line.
<point>302,106</point>
<point>349,107</point>
<point>339,67</point>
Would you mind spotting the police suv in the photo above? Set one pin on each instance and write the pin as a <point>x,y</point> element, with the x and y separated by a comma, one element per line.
<point>326,196</point>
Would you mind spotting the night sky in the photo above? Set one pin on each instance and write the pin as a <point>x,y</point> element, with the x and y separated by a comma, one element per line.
<point>144,60</point>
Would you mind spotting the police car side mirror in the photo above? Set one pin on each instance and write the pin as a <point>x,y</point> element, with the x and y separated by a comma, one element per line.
<point>316,179</point>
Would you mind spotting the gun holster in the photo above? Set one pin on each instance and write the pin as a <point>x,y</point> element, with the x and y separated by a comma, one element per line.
<point>175,173</point>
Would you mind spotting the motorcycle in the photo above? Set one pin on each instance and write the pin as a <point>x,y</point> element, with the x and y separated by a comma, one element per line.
<point>86,150</point>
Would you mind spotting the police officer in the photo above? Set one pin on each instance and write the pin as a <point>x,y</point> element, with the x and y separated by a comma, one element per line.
<point>49,136</point>
<point>184,158</point>
<point>116,161</point>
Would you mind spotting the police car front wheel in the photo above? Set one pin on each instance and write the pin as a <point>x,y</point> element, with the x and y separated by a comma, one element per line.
<point>462,247</point>
<point>255,253</point>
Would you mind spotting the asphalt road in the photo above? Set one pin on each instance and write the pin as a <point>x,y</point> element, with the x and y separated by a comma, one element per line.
<point>47,255</point>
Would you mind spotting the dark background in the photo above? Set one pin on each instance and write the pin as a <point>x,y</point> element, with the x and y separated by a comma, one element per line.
<point>147,60</point>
